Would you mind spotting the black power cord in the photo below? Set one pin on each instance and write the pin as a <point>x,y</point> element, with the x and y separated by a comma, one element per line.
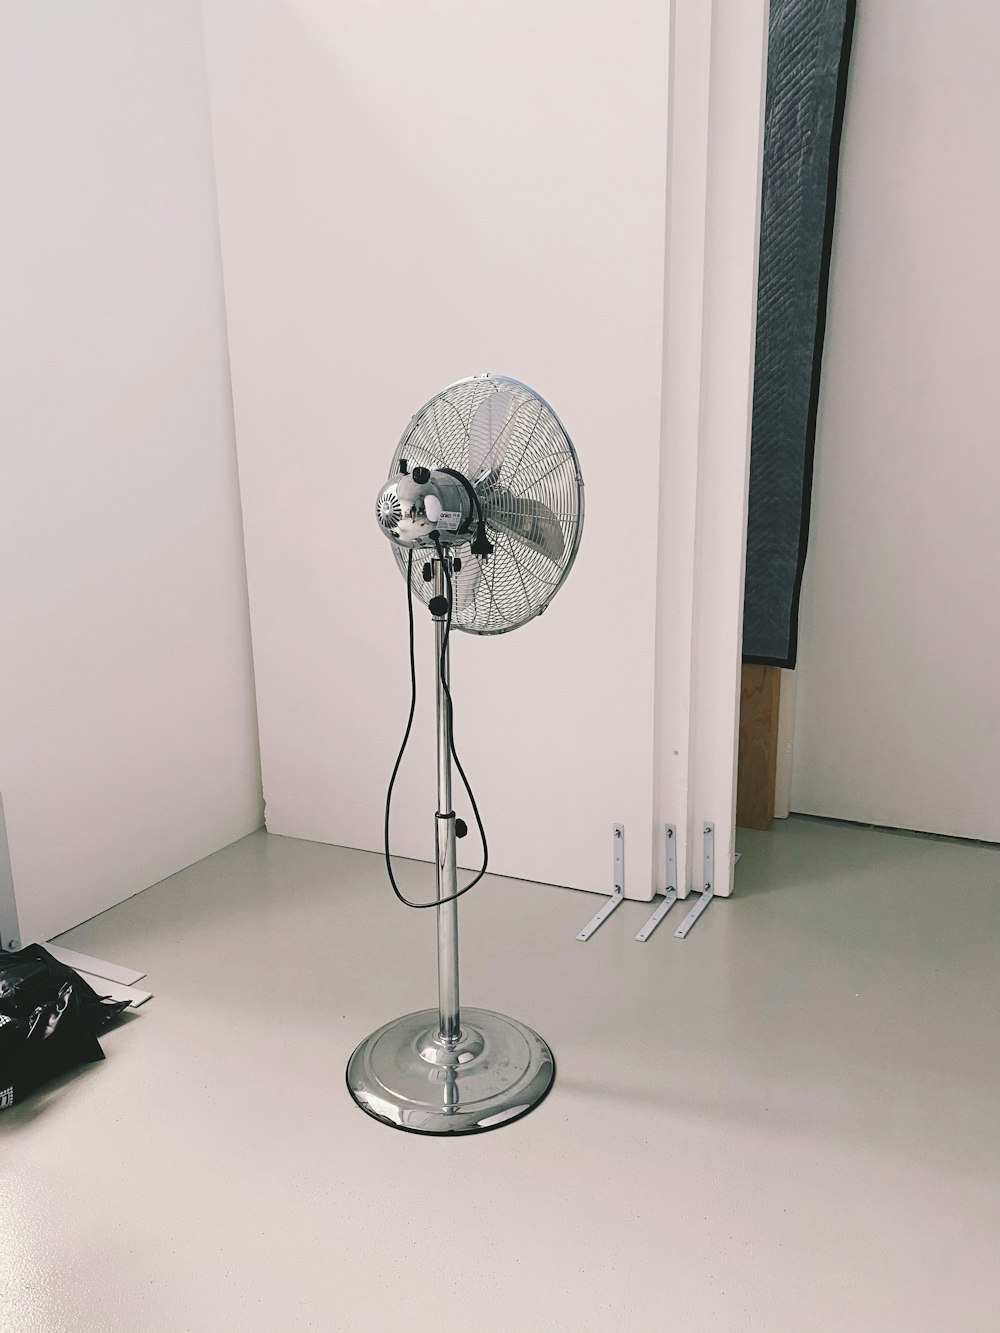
<point>448,898</point>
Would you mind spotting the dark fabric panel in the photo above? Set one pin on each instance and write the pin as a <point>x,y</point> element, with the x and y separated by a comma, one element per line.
<point>808,52</point>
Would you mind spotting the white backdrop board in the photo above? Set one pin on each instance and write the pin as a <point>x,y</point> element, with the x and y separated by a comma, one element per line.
<point>409,195</point>
<point>897,712</point>
<point>717,76</point>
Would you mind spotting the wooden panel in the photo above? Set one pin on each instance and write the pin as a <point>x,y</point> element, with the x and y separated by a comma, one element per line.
<point>755,780</point>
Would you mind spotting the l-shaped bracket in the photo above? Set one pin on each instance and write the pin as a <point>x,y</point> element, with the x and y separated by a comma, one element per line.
<point>618,896</point>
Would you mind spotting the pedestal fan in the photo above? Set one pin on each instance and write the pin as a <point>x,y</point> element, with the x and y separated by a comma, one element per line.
<point>484,508</point>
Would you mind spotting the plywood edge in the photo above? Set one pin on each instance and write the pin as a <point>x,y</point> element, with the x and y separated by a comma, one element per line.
<point>760,695</point>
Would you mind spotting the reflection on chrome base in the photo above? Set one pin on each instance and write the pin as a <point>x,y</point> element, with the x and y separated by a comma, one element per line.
<point>407,1076</point>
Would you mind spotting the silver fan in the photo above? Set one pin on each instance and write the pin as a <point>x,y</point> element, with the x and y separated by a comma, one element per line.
<point>484,508</point>
<point>515,455</point>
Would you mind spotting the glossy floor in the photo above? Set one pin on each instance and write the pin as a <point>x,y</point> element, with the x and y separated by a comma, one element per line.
<point>788,1121</point>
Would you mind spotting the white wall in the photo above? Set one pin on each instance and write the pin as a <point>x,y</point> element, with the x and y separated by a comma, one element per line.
<point>126,700</point>
<point>409,194</point>
<point>898,710</point>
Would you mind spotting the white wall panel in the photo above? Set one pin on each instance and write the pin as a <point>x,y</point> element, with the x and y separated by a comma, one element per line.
<point>127,724</point>
<point>735,149</point>
<point>716,138</point>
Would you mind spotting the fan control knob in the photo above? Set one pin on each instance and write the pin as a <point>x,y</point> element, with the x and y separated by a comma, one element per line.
<point>421,475</point>
<point>461,828</point>
<point>438,606</point>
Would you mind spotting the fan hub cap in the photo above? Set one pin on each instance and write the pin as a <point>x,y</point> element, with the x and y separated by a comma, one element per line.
<point>421,514</point>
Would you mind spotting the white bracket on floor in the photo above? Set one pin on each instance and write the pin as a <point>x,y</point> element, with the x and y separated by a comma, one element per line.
<point>706,897</point>
<point>619,882</point>
<point>110,979</point>
<point>669,893</point>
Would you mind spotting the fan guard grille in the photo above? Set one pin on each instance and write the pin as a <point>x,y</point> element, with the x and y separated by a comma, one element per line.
<point>528,480</point>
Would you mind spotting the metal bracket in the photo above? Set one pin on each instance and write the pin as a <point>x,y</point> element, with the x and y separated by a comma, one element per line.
<point>707,895</point>
<point>95,967</point>
<point>669,893</point>
<point>618,896</point>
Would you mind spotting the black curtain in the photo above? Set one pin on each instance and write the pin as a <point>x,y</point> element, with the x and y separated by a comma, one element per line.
<point>809,44</point>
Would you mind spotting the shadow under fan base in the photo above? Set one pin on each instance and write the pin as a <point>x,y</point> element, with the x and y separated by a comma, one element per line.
<point>405,1077</point>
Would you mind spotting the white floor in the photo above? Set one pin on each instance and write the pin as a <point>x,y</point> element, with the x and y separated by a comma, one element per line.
<point>788,1121</point>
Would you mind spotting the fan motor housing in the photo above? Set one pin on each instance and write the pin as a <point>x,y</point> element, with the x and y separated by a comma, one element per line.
<point>409,511</point>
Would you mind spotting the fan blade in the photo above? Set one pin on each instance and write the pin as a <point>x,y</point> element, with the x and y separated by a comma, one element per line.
<point>528,520</point>
<point>485,429</point>
<point>467,582</point>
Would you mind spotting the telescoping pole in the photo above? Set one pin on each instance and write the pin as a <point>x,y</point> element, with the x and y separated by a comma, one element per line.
<point>446,876</point>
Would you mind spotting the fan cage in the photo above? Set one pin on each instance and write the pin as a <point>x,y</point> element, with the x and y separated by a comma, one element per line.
<point>531,464</point>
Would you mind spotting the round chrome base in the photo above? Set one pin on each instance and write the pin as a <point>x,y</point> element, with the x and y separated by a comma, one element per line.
<point>406,1076</point>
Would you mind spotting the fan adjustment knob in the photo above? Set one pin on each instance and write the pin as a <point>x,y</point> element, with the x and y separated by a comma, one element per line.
<point>421,475</point>
<point>461,828</point>
<point>438,606</point>
<point>427,572</point>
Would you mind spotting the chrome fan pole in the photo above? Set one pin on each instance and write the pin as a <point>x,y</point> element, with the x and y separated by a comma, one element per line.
<point>430,1072</point>
<point>446,877</point>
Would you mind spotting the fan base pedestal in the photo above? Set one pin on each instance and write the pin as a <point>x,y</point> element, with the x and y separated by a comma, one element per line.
<point>405,1076</point>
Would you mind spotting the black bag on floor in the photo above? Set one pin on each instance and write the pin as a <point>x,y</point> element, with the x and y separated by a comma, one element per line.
<point>49,1021</point>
